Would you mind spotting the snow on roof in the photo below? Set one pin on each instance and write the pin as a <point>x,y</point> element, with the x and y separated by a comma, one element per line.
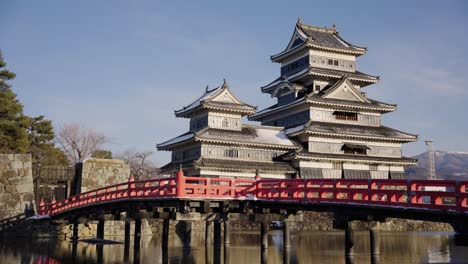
<point>273,136</point>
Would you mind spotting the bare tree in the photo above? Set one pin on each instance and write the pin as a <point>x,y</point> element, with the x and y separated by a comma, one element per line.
<point>140,166</point>
<point>79,142</point>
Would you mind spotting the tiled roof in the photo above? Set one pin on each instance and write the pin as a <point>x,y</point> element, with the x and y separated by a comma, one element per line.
<point>336,74</point>
<point>372,104</point>
<point>206,101</point>
<point>233,165</point>
<point>272,137</point>
<point>249,135</point>
<point>327,37</point>
<point>315,155</point>
<point>349,130</point>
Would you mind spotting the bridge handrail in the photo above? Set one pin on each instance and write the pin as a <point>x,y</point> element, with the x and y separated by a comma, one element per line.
<point>448,195</point>
<point>113,192</point>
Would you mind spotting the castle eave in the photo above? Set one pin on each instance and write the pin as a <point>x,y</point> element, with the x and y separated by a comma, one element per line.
<point>403,161</point>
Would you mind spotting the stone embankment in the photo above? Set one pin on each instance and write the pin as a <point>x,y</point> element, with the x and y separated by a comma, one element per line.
<point>16,184</point>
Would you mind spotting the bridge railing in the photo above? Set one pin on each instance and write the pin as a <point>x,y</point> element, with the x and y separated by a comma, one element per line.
<point>438,194</point>
<point>162,188</point>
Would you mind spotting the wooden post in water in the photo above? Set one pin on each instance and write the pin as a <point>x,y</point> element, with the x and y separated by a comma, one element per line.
<point>165,233</point>
<point>217,242</point>
<point>75,237</point>
<point>187,234</point>
<point>100,229</point>
<point>136,241</point>
<point>264,234</point>
<point>349,244</point>
<point>208,232</point>
<point>127,241</point>
<point>227,233</point>
<point>375,247</point>
<point>286,235</point>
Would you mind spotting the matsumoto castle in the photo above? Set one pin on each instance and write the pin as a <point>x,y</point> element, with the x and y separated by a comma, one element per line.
<point>322,124</point>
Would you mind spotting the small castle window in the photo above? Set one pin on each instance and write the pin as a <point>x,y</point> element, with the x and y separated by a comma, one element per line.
<point>232,153</point>
<point>335,62</point>
<point>330,62</point>
<point>225,122</point>
<point>317,88</point>
<point>337,166</point>
<point>355,149</point>
<point>345,115</point>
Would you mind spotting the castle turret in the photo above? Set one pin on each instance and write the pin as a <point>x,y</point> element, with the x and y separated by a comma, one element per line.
<point>321,104</point>
<point>219,145</point>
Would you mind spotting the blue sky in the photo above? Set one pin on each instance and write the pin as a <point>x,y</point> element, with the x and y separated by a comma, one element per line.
<point>122,67</point>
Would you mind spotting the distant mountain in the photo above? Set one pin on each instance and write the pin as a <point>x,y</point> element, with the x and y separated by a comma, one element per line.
<point>448,165</point>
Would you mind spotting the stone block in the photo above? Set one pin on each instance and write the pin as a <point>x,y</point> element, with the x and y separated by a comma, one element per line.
<point>23,172</point>
<point>23,157</point>
<point>25,188</point>
<point>10,174</point>
<point>28,197</point>
<point>11,189</point>
<point>16,164</point>
<point>4,165</point>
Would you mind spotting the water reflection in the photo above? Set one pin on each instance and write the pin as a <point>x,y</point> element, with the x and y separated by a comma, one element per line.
<point>310,247</point>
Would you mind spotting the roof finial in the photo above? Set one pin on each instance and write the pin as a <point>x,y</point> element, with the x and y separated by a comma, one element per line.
<point>224,82</point>
<point>299,20</point>
<point>207,88</point>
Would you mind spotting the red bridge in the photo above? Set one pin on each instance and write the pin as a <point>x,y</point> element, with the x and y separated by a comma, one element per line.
<point>218,200</point>
<point>399,194</point>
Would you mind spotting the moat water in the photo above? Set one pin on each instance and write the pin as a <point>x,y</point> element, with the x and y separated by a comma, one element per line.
<point>307,247</point>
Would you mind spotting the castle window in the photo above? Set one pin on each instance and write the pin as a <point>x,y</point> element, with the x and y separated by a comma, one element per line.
<point>317,88</point>
<point>330,62</point>
<point>345,115</point>
<point>337,166</point>
<point>354,149</point>
<point>225,122</point>
<point>231,153</point>
<point>373,167</point>
<point>335,62</point>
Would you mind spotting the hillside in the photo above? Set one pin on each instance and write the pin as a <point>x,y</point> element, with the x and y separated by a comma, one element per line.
<point>449,165</point>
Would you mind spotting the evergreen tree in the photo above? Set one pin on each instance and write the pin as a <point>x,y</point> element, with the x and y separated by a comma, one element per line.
<point>41,136</point>
<point>22,134</point>
<point>13,135</point>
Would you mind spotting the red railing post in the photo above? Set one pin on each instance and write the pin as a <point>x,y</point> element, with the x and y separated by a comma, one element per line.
<point>41,207</point>
<point>180,183</point>
<point>131,186</point>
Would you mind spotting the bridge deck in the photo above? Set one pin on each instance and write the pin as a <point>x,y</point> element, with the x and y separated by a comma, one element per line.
<point>435,195</point>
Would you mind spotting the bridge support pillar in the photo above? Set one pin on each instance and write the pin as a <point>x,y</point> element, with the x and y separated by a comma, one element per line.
<point>127,241</point>
<point>136,241</point>
<point>208,232</point>
<point>349,242</point>
<point>217,242</point>
<point>286,235</point>
<point>227,233</point>
<point>100,229</point>
<point>374,241</point>
<point>165,232</point>
<point>374,244</point>
<point>187,234</point>
<point>264,234</point>
<point>75,237</point>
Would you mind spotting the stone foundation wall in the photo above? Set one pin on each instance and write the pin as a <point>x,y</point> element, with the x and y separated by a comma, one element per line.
<point>16,184</point>
<point>97,173</point>
<point>111,229</point>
